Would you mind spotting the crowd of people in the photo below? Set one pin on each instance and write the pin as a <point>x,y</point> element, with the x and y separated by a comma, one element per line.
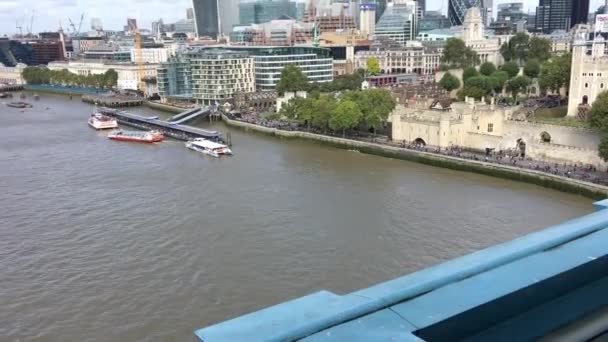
<point>513,157</point>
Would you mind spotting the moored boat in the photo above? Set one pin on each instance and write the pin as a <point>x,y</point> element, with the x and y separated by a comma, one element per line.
<point>137,136</point>
<point>208,147</point>
<point>100,121</point>
<point>19,105</point>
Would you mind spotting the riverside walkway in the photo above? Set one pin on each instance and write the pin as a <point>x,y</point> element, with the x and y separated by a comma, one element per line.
<point>586,173</point>
<point>549,286</point>
<point>174,130</point>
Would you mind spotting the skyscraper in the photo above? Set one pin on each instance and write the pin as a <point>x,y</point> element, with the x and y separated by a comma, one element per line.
<point>458,8</point>
<point>554,15</point>
<point>215,17</point>
<point>367,17</point>
<point>580,12</point>
<point>189,14</point>
<point>206,18</point>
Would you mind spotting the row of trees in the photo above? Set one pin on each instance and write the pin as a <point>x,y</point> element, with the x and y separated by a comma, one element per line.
<point>42,75</point>
<point>552,74</point>
<point>522,48</point>
<point>293,79</point>
<point>367,109</point>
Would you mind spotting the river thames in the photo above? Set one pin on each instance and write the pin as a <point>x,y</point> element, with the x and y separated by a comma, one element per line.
<point>109,241</point>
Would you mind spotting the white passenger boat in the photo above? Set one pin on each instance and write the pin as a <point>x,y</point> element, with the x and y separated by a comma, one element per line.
<point>208,147</point>
<point>100,121</point>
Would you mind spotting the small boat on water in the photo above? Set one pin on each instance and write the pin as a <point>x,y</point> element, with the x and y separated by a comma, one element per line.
<point>100,121</point>
<point>208,147</point>
<point>5,95</point>
<point>137,136</point>
<point>19,105</point>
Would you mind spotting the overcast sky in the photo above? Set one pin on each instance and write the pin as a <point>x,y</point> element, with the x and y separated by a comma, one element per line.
<point>113,13</point>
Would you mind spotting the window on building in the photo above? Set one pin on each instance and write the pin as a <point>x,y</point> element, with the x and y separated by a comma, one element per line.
<point>584,74</point>
<point>586,85</point>
<point>490,127</point>
<point>602,85</point>
<point>591,74</point>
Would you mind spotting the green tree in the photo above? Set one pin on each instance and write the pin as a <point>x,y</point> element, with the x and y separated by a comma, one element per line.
<point>292,80</point>
<point>540,49</point>
<point>532,68</point>
<point>555,73</point>
<point>468,73</point>
<point>498,80</point>
<point>345,116</point>
<point>111,78</point>
<point>480,82</point>
<point>376,106</point>
<point>517,48</point>
<point>510,68</point>
<point>518,85</point>
<point>603,147</point>
<point>456,54</point>
<point>474,92</point>
<point>322,109</point>
<point>487,68</point>
<point>598,115</point>
<point>449,82</point>
<point>373,67</point>
<point>598,118</point>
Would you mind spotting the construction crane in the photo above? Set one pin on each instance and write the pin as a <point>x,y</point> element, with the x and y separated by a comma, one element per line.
<point>76,31</point>
<point>29,28</point>
<point>139,59</point>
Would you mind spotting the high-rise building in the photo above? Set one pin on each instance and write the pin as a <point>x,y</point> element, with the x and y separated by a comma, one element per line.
<point>367,18</point>
<point>580,12</point>
<point>229,15</point>
<point>206,18</point>
<point>399,21</point>
<point>458,8</point>
<point>510,12</point>
<point>263,11</point>
<point>380,7</point>
<point>554,15</point>
<point>190,13</point>
<point>433,20</point>
<point>213,18</point>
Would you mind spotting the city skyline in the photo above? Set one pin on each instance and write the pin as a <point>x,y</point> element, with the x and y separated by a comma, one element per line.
<point>50,13</point>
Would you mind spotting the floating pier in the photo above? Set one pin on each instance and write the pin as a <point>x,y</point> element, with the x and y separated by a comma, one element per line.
<point>113,101</point>
<point>9,87</point>
<point>174,130</point>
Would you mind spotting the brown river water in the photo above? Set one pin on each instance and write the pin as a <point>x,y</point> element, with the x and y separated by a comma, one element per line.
<point>108,241</point>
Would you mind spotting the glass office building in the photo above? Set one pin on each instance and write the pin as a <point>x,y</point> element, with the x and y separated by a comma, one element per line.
<point>263,11</point>
<point>316,63</point>
<point>398,23</point>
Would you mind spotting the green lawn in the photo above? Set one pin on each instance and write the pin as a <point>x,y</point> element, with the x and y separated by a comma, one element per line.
<point>557,116</point>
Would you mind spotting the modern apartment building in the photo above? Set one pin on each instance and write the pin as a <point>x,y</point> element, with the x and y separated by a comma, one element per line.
<point>208,76</point>
<point>315,63</point>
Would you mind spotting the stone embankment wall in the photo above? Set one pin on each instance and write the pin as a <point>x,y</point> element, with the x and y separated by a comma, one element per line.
<point>503,171</point>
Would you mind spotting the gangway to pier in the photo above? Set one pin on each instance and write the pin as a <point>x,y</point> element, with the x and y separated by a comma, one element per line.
<point>190,115</point>
<point>172,129</point>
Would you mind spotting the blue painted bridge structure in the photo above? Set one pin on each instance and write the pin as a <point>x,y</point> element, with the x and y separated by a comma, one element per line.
<point>551,285</point>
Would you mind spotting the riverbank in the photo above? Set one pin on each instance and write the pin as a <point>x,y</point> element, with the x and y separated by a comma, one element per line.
<point>62,90</point>
<point>587,189</point>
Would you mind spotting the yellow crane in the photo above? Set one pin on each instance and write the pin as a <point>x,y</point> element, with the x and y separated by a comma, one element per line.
<point>139,59</point>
